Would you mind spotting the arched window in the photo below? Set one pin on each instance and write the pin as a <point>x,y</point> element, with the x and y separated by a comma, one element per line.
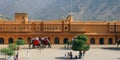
<point>65,40</point>
<point>110,41</point>
<point>56,40</point>
<point>1,40</point>
<point>20,38</point>
<point>92,41</point>
<point>101,41</point>
<point>10,40</point>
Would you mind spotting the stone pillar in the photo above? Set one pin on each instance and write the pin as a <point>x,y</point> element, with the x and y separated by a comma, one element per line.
<point>114,42</point>
<point>25,39</point>
<point>5,40</point>
<point>61,40</point>
<point>52,40</point>
<point>105,40</point>
<point>88,41</point>
<point>97,40</point>
<point>14,39</point>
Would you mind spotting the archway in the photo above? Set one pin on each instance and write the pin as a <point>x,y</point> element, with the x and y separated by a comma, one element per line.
<point>1,40</point>
<point>92,41</point>
<point>56,40</point>
<point>20,38</point>
<point>65,41</point>
<point>10,40</point>
<point>110,41</point>
<point>101,41</point>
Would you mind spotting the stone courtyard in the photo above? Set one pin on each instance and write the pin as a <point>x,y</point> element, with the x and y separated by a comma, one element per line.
<point>57,52</point>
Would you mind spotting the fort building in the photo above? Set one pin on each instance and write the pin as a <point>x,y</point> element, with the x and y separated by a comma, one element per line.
<point>58,31</point>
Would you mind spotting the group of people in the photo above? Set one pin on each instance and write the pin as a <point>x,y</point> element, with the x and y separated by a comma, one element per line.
<point>69,55</point>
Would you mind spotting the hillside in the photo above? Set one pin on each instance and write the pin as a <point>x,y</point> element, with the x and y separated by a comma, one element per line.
<point>59,9</point>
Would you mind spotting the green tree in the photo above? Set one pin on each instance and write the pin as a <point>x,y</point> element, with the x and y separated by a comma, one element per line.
<point>8,52</point>
<point>79,44</point>
<point>4,50</point>
<point>13,46</point>
<point>82,37</point>
<point>20,42</point>
<point>69,44</point>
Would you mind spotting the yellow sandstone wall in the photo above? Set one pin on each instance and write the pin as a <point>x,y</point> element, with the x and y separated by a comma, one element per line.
<point>61,30</point>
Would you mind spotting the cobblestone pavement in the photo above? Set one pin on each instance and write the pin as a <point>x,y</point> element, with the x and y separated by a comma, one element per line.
<point>57,52</point>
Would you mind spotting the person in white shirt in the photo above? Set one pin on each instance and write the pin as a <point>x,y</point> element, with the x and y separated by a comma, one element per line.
<point>28,54</point>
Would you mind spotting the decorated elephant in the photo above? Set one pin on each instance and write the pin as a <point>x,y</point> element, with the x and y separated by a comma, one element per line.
<point>36,42</point>
<point>45,41</point>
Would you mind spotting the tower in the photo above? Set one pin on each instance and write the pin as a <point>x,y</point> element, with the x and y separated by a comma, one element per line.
<point>21,17</point>
<point>70,18</point>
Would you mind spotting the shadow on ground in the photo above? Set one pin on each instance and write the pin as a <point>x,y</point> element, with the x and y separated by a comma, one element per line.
<point>118,58</point>
<point>2,58</point>
<point>60,58</point>
<point>63,58</point>
<point>65,48</point>
<point>111,48</point>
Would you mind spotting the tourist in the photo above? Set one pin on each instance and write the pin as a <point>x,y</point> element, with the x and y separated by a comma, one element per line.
<point>68,55</point>
<point>17,56</point>
<point>32,41</point>
<point>14,57</point>
<point>80,54</point>
<point>49,46</point>
<point>28,54</point>
<point>71,55</point>
<point>75,57</point>
<point>65,56</point>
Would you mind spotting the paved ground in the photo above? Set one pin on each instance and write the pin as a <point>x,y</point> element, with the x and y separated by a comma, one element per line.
<point>57,52</point>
